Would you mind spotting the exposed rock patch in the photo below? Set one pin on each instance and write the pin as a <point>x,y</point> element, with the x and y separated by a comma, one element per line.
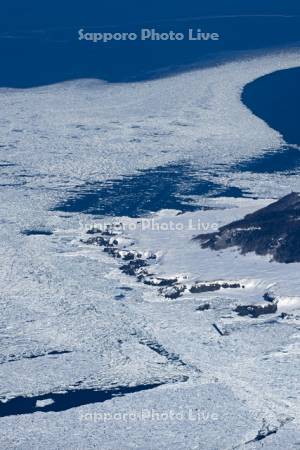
<point>213,286</point>
<point>255,311</point>
<point>203,307</point>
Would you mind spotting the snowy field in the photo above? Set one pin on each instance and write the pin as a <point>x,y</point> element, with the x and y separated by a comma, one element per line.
<point>73,323</point>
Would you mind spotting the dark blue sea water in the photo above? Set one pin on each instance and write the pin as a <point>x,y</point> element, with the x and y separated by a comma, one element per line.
<point>62,401</point>
<point>285,160</point>
<point>34,14</point>
<point>275,98</point>
<point>165,187</point>
<point>38,48</point>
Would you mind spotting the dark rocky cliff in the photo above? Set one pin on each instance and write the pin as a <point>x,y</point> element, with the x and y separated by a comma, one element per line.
<point>273,230</point>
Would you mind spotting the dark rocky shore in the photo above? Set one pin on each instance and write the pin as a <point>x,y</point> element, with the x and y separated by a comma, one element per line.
<point>274,230</point>
<point>141,264</point>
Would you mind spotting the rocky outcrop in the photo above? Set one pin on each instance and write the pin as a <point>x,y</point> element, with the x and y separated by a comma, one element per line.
<point>255,311</point>
<point>273,230</point>
<point>203,307</point>
<point>199,288</point>
<point>140,265</point>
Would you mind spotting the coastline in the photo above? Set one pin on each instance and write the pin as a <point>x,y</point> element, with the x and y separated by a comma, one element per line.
<point>275,98</point>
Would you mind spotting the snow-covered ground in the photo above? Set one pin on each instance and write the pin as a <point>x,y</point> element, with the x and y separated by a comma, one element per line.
<point>65,326</point>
